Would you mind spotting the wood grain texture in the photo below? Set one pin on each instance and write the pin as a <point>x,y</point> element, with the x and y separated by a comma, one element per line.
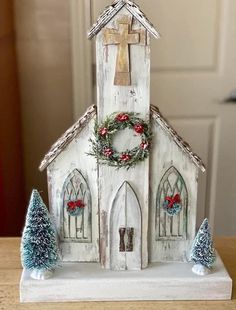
<point>9,292</point>
<point>166,154</point>
<point>133,98</point>
<point>123,37</point>
<point>125,213</point>
<point>90,282</point>
<point>74,157</point>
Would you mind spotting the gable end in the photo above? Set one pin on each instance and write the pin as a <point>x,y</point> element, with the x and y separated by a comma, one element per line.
<point>185,147</point>
<point>113,9</point>
<point>68,136</point>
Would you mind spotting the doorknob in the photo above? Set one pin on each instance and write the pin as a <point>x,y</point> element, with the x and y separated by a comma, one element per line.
<point>231,98</point>
<point>130,245</point>
<point>122,239</point>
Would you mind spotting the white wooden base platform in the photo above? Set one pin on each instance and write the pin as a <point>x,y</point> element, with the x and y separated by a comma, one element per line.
<point>160,281</point>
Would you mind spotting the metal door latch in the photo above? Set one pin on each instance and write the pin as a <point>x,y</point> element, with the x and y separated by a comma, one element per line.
<point>129,245</point>
<point>122,239</point>
<point>128,234</point>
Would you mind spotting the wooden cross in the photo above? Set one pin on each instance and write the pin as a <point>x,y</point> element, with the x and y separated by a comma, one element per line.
<point>123,37</point>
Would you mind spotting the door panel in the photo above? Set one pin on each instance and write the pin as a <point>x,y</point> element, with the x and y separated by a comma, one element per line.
<point>125,216</point>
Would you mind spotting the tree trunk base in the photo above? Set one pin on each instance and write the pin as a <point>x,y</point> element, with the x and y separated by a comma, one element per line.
<point>200,270</point>
<point>41,274</point>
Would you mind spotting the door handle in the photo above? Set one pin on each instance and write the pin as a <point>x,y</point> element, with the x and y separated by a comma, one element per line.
<point>122,231</point>
<point>130,244</point>
<point>231,98</point>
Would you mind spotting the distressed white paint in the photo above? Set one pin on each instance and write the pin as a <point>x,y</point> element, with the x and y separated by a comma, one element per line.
<point>166,153</point>
<point>125,212</point>
<point>167,281</point>
<point>134,98</point>
<point>74,157</point>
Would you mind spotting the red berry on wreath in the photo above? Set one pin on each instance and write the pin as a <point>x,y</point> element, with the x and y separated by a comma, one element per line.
<point>125,157</point>
<point>139,128</point>
<point>108,152</point>
<point>103,131</point>
<point>122,117</point>
<point>144,145</point>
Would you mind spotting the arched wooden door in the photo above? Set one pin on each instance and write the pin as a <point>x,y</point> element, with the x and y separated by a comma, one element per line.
<point>125,230</point>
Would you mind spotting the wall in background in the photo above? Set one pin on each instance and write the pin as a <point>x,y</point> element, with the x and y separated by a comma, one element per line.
<point>12,204</point>
<point>44,58</point>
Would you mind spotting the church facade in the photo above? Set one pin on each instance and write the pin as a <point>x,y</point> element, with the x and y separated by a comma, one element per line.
<point>135,200</point>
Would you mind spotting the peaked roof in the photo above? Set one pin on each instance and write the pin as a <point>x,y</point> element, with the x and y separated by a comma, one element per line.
<point>156,114</point>
<point>113,9</point>
<point>74,130</point>
<point>67,137</point>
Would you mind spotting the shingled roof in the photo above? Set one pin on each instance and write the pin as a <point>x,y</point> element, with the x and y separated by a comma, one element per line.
<point>67,137</point>
<point>113,9</point>
<point>73,131</point>
<point>156,115</point>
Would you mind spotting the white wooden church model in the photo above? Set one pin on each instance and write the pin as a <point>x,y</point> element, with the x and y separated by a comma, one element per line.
<point>120,198</point>
<point>122,183</point>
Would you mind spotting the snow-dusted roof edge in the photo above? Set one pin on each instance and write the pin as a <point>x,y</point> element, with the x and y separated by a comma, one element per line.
<point>113,9</point>
<point>68,136</point>
<point>156,115</point>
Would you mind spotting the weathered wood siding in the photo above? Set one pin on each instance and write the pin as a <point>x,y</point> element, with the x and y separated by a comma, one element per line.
<point>170,238</point>
<point>125,214</point>
<point>74,246</point>
<point>113,98</point>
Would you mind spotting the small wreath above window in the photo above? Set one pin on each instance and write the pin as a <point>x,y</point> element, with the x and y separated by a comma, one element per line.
<point>103,149</point>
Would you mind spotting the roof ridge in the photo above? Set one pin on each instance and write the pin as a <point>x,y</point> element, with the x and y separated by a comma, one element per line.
<point>68,136</point>
<point>111,10</point>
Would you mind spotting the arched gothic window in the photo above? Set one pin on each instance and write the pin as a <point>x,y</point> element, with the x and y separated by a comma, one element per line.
<point>171,227</point>
<point>76,228</point>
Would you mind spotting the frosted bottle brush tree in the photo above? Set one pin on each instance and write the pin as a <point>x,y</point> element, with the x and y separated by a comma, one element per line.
<point>203,252</point>
<point>39,251</point>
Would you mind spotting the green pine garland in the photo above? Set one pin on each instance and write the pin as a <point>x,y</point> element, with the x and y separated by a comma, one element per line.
<point>103,149</point>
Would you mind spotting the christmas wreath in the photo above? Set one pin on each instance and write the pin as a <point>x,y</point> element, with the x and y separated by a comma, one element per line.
<point>75,208</point>
<point>172,204</point>
<point>103,149</point>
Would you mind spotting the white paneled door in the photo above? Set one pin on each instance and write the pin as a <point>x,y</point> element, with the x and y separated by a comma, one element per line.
<point>193,71</point>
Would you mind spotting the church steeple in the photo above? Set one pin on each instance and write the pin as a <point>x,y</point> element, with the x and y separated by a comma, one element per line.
<point>123,87</point>
<point>113,9</point>
<point>123,59</point>
<point>123,37</point>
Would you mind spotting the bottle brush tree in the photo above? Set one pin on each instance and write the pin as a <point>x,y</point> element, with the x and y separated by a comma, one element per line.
<point>203,252</point>
<point>39,250</point>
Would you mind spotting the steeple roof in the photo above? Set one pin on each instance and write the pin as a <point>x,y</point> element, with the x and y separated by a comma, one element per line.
<point>113,9</point>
